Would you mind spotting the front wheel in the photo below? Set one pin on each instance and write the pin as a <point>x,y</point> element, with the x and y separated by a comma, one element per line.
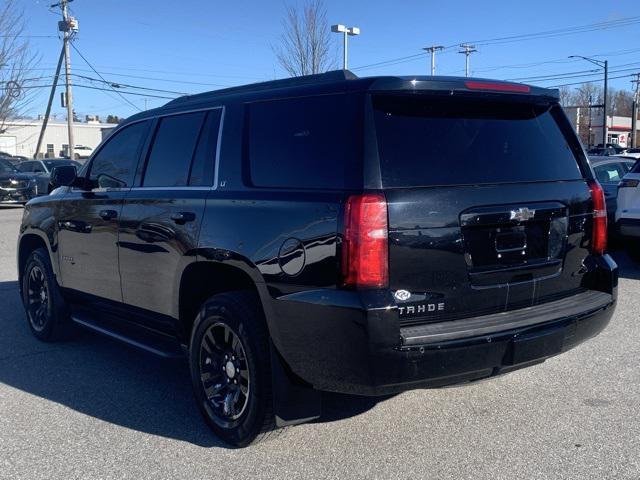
<point>46,310</point>
<point>230,368</point>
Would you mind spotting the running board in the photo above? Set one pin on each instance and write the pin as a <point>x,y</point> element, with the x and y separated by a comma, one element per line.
<point>137,337</point>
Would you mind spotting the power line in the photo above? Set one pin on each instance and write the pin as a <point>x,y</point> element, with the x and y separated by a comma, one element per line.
<point>519,38</point>
<point>103,79</point>
<point>28,87</point>
<point>125,85</point>
<point>606,25</point>
<point>574,74</point>
<point>126,93</point>
<point>580,83</point>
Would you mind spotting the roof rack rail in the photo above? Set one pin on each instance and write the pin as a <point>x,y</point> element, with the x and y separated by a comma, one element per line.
<point>332,76</point>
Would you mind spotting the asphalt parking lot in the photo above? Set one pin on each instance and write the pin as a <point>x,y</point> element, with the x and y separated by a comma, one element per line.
<point>93,408</point>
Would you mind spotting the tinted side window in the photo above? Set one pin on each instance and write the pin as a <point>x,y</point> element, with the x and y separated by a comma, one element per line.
<point>202,169</point>
<point>626,166</point>
<point>173,148</point>
<point>312,142</point>
<point>26,167</point>
<point>609,173</point>
<point>115,164</point>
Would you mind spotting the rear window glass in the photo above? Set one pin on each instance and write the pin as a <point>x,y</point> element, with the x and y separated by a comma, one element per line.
<point>435,141</point>
<point>636,167</point>
<point>311,142</point>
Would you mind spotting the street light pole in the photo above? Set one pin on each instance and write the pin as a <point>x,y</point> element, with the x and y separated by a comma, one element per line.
<point>604,65</point>
<point>346,31</point>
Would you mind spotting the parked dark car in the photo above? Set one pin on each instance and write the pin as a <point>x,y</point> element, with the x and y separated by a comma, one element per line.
<point>41,169</point>
<point>12,158</point>
<point>602,151</point>
<point>609,172</point>
<point>357,235</point>
<point>15,187</point>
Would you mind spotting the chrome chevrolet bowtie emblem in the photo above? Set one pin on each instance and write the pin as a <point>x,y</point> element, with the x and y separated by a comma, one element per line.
<point>522,214</point>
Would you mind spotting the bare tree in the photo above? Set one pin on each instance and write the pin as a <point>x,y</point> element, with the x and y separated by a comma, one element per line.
<point>305,45</point>
<point>566,96</point>
<point>16,63</point>
<point>587,94</point>
<point>621,103</point>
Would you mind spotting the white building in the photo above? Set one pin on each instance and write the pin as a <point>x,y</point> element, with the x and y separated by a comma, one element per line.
<point>588,125</point>
<point>618,130</point>
<point>20,137</point>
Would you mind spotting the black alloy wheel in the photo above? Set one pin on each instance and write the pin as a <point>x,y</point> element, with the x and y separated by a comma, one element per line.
<point>45,308</point>
<point>230,364</point>
<point>38,297</point>
<point>224,373</point>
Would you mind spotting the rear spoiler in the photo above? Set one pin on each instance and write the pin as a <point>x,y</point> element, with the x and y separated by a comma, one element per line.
<point>453,85</point>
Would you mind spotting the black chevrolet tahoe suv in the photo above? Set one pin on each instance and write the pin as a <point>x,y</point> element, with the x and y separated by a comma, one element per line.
<point>328,233</point>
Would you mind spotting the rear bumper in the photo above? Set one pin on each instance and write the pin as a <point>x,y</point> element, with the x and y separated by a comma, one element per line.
<point>347,342</point>
<point>628,227</point>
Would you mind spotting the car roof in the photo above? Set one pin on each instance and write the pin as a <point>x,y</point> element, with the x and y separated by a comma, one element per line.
<point>343,81</point>
<point>600,159</point>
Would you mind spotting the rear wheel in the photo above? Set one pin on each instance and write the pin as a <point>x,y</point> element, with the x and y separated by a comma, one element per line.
<point>44,305</point>
<point>230,368</point>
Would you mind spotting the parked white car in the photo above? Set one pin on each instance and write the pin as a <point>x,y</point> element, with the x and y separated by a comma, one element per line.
<point>632,152</point>
<point>628,209</point>
<point>82,151</point>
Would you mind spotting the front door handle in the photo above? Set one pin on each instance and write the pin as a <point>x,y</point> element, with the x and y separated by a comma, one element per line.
<point>108,214</point>
<point>183,217</point>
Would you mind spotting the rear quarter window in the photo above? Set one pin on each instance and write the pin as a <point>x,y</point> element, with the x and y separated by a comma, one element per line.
<point>443,141</point>
<point>308,143</point>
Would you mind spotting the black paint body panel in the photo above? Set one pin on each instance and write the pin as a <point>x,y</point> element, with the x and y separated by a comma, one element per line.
<point>288,243</point>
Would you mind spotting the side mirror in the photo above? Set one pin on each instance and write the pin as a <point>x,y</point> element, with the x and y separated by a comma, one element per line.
<point>63,176</point>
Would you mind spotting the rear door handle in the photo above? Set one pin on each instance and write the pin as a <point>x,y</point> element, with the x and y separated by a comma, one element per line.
<point>108,214</point>
<point>183,217</point>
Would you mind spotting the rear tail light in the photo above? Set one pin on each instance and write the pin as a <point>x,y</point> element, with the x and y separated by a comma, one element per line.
<point>599,238</point>
<point>497,86</point>
<point>629,183</point>
<point>365,253</point>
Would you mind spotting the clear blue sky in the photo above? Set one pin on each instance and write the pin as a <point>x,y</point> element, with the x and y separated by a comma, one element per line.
<point>197,45</point>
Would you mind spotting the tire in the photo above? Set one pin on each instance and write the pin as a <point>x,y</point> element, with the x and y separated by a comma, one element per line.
<point>46,310</point>
<point>232,387</point>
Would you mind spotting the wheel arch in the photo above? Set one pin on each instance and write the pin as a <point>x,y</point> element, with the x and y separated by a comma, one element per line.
<point>29,242</point>
<point>202,279</point>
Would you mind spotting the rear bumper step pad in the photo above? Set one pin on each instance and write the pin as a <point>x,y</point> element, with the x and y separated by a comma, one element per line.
<point>570,307</point>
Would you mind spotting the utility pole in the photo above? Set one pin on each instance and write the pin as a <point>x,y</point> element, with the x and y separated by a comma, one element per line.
<point>634,112</point>
<point>604,65</point>
<point>68,26</point>
<point>432,50</point>
<point>467,49</point>
<point>45,121</point>
<point>590,110</point>
<point>604,103</point>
